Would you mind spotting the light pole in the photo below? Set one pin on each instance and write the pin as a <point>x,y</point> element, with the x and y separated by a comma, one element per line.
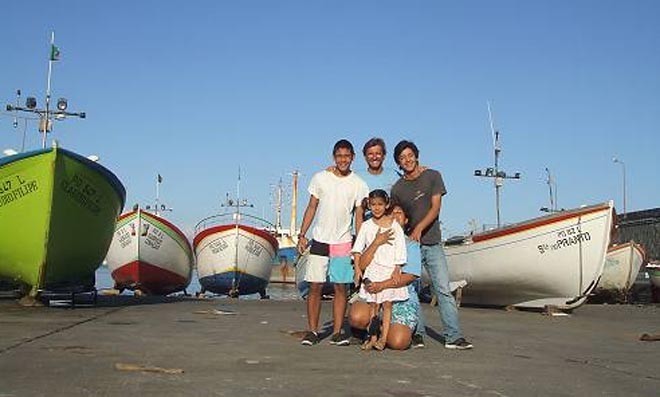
<point>623,168</point>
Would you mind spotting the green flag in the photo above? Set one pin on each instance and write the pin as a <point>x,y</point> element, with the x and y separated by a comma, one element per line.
<point>54,53</point>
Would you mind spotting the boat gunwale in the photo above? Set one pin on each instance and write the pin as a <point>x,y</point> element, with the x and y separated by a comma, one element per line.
<point>538,222</point>
<point>112,179</point>
<point>159,219</point>
<point>631,243</point>
<point>219,228</point>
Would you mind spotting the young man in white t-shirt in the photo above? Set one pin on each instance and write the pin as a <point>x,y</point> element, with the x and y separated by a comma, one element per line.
<point>335,200</point>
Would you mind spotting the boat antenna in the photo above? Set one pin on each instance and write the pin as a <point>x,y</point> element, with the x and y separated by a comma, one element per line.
<point>495,173</point>
<point>15,122</point>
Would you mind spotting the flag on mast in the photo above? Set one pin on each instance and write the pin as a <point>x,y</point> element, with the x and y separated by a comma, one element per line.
<point>54,53</point>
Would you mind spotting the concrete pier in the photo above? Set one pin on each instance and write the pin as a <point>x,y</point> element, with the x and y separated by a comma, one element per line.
<point>126,346</point>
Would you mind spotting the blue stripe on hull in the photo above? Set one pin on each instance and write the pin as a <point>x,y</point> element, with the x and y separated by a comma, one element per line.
<point>221,283</point>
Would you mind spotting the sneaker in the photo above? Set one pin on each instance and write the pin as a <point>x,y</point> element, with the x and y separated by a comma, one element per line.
<point>459,344</point>
<point>417,341</point>
<point>340,339</point>
<point>311,338</point>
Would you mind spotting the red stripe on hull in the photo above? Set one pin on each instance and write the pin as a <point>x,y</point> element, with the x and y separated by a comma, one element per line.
<point>148,278</point>
<point>215,229</point>
<point>517,228</point>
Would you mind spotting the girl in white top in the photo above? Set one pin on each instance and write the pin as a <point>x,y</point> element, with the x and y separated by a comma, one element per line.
<point>387,260</point>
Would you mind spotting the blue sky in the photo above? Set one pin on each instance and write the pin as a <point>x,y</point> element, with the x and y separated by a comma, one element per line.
<point>194,90</point>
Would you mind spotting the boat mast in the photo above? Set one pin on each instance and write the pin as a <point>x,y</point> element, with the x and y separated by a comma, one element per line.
<point>159,179</point>
<point>293,227</point>
<point>237,204</point>
<point>46,119</point>
<point>498,150</point>
<point>278,208</point>
<point>46,115</point>
<point>495,172</point>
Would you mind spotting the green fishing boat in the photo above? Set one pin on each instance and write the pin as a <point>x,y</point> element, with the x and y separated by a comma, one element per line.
<point>57,218</point>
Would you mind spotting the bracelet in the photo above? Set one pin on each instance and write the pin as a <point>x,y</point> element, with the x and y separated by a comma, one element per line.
<point>301,235</point>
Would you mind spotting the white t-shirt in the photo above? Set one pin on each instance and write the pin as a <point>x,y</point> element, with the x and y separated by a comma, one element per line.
<point>338,197</point>
<point>386,255</point>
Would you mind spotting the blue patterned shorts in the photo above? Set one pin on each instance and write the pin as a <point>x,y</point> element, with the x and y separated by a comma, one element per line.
<point>405,312</point>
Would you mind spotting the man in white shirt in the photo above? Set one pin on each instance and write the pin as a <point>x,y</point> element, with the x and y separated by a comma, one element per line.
<point>335,198</point>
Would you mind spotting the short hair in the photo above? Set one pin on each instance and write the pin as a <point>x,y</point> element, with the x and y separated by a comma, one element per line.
<point>343,144</point>
<point>403,145</point>
<point>374,142</point>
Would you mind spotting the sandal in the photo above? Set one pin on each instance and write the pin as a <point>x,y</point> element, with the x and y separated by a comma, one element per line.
<point>380,345</point>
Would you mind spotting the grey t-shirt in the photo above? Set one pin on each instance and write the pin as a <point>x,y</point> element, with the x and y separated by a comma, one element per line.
<point>415,199</point>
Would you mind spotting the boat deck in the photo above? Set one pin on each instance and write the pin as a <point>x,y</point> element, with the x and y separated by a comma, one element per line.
<point>136,346</point>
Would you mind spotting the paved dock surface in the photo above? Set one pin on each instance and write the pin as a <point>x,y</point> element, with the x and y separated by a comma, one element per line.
<point>170,347</point>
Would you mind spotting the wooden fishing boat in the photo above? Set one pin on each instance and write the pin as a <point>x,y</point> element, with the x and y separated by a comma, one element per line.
<point>235,254</point>
<point>622,264</point>
<point>555,260</point>
<point>149,254</point>
<point>284,271</point>
<point>58,212</point>
<point>653,270</point>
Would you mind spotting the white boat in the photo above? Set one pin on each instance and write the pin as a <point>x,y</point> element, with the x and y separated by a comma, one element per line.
<point>622,264</point>
<point>653,270</point>
<point>234,256</point>
<point>149,254</point>
<point>554,260</point>
<point>284,271</point>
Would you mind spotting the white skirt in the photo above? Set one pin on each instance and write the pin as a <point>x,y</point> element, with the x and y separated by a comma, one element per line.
<point>376,272</point>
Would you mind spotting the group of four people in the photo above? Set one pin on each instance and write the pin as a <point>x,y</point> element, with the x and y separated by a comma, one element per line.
<point>385,263</point>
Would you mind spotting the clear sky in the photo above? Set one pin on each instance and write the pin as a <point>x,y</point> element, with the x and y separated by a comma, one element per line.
<point>193,90</point>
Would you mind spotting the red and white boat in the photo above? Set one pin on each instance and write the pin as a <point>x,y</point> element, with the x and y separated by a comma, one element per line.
<point>149,254</point>
<point>622,264</point>
<point>234,256</point>
<point>553,260</point>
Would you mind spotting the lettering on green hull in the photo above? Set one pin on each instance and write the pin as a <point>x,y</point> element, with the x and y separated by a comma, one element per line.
<point>82,192</point>
<point>15,188</point>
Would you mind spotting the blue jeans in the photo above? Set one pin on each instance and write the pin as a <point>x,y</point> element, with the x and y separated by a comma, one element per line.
<point>433,259</point>
<point>413,291</point>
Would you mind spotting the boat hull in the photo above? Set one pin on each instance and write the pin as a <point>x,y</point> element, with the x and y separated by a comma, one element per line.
<point>554,260</point>
<point>654,274</point>
<point>58,212</point>
<point>622,264</point>
<point>149,254</point>
<point>284,271</point>
<point>234,259</point>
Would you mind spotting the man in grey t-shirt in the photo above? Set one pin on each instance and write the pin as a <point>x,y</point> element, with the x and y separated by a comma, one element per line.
<point>419,192</point>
